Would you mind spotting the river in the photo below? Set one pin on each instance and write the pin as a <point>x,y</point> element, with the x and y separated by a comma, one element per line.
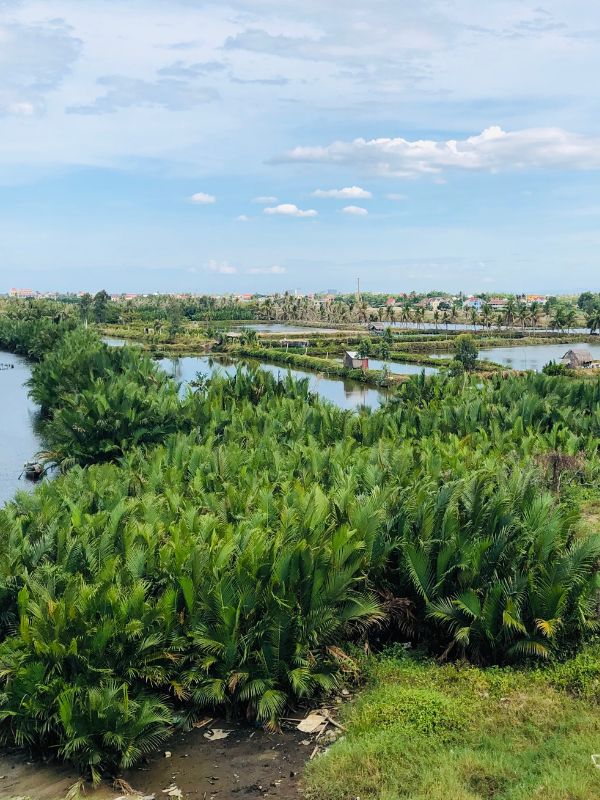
<point>19,441</point>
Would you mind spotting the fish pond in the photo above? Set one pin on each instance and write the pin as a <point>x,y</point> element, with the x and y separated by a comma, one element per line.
<point>347,394</point>
<point>529,357</point>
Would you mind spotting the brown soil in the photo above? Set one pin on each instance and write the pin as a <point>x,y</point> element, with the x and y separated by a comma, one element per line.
<point>21,778</point>
<point>249,763</point>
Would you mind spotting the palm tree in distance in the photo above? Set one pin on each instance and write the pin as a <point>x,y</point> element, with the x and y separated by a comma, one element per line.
<point>486,315</point>
<point>593,319</point>
<point>510,311</point>
<point>535,312</point>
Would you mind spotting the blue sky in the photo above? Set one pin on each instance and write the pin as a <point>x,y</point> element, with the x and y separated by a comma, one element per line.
<point>261,145</point>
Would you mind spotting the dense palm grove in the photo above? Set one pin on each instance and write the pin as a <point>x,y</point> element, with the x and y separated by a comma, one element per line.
<point>220,547</point>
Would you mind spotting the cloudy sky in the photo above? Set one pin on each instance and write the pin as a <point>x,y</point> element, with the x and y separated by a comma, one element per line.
<point>261,145</point>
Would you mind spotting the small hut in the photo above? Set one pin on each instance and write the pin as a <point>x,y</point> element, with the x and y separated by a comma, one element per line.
<point>294,343</point>
<point>353,361</point>
<point>377,328</point>
<point>579,358</point>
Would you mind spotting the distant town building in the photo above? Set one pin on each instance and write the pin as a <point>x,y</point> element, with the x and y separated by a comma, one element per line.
<point>474,302</point>
<point>435,302</point>
<point>22,294</point>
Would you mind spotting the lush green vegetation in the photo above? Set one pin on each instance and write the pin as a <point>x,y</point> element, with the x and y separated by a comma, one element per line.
<point>426,731</point>
<point>101,400</point>
<point>216,548</point>
<point>33,330</point>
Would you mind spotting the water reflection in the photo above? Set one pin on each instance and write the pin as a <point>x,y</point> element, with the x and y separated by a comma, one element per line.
<point>282,327</point>
<point>346,394</point>
<point>401,369</point>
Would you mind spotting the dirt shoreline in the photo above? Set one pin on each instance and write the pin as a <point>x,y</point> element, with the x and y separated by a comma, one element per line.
<point>249,763</point>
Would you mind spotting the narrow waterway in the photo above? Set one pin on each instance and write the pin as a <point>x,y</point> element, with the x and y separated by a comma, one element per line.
<point>396,368</point>
<point>282,327</point>
<point>19,441</point>
<point>344,393</point>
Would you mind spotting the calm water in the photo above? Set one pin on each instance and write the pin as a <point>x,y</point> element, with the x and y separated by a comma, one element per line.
<point>19,441</point>
<point>401,369</point>
<point>281,327</point>
<point>467,326</point>
<point>529,357</point>
<point>344,393</point>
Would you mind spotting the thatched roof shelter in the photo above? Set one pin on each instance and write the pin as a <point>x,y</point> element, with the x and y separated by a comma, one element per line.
<point>577,359</point>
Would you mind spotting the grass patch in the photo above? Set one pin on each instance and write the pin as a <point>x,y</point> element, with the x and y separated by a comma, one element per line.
<point>589,521</point>
<point>455,732</point>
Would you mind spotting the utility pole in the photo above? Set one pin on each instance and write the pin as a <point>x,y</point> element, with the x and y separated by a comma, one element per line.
<point>358,290</point>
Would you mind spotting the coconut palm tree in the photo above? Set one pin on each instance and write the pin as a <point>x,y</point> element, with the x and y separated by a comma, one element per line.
<point>522,314</point>
<point>558,320</point>
<point>535,313</point>
<point>486,315</point>
<point>510,312</point>
<point>570,317</point>
<point>593,319</point>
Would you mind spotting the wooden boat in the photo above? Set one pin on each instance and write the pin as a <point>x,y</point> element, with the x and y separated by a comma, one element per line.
<point>33,471</point>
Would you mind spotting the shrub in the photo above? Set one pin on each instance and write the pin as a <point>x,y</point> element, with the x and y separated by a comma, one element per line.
<point>552,368</point>
<point>408,711</point>
<point>580,675</point>
<point>456,368</point>
<point>466,351</point>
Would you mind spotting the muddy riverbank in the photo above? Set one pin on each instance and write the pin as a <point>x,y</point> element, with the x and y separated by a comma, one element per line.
<point>248,763</point>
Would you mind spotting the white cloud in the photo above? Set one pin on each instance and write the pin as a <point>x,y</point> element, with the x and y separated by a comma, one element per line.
<point>274,270</point>
<point>290,210</point>
<point>222,267</point>
<point>203,199</point>
<point>396,196</point>
<point>355,211</point>
<point>243,218</point>
<point>34,61</point>
<point>265,201</point>
<point>349,193</point>
<point>492,150</point>
<point>23,109</point>
<point>125,92</point>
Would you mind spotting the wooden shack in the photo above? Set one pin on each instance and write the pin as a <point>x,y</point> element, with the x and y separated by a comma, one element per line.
<point>579,358</point>
<point>353,361</point>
